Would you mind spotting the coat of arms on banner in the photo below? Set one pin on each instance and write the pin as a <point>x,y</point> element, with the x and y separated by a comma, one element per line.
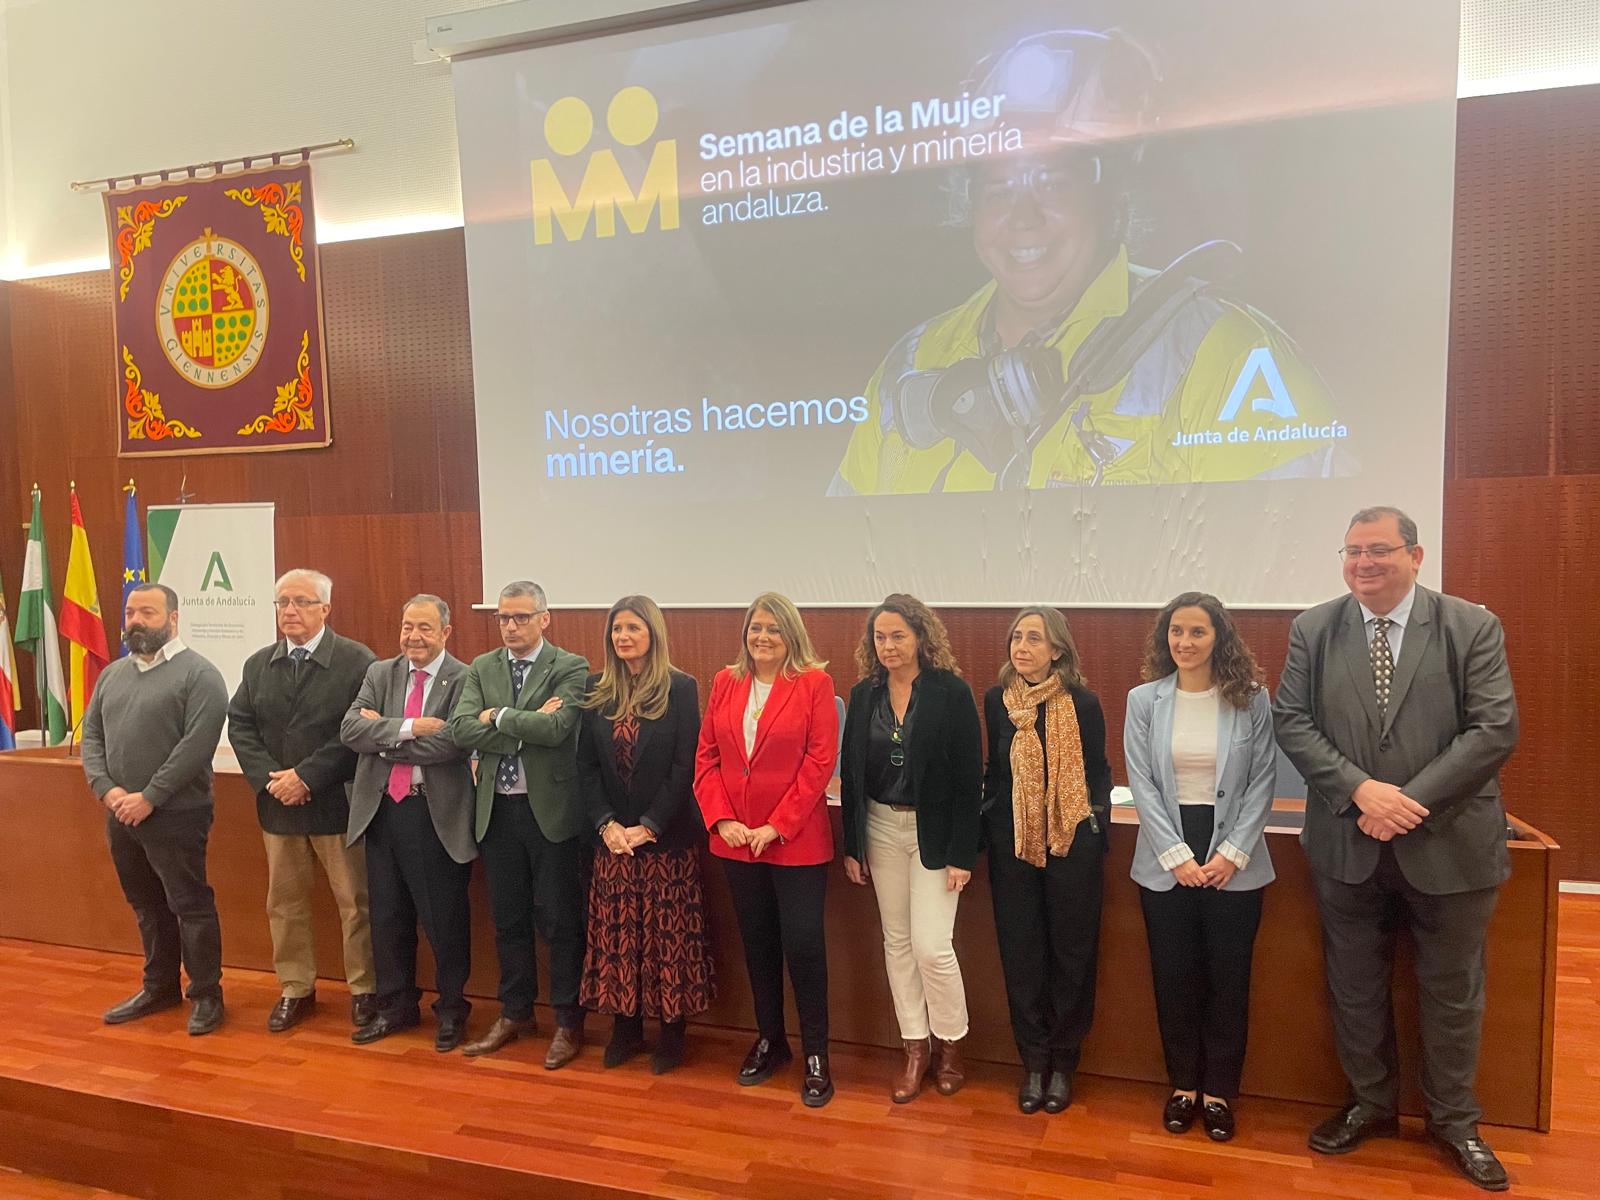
<point>218,314</point>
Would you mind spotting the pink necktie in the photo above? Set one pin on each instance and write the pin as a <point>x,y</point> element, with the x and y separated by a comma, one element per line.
<point>400,773</point>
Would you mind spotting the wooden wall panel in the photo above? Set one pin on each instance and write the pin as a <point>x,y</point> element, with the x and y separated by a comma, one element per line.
<point>1522,493</point>
<point>390,507</point>
<point>1525,303</point>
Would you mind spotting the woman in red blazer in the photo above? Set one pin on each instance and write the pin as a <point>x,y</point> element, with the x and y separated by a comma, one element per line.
<point>767,746</point>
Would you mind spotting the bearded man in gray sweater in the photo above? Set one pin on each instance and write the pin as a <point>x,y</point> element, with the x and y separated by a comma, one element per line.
<point>148,738</point>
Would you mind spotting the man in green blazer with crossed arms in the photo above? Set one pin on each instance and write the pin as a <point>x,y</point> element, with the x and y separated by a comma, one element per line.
<point>519,710</point>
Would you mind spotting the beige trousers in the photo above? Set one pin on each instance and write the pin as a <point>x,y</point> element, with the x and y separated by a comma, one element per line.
<point>919,918</point>
<point>291,871</point>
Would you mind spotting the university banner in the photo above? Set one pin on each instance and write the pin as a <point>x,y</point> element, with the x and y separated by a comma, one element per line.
<point>218,314</point>
<point>220,559</point>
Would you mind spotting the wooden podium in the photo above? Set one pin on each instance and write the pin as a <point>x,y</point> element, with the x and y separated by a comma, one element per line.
<point>57,886</point>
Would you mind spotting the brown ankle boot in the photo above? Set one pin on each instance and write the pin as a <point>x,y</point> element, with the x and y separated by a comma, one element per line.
<point>950,1073</point>
<point>919,1057</point>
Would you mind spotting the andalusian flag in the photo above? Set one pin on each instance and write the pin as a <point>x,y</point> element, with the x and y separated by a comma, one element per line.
<point>10,689</point>
<point>81,621</point>
<point>36,632</point>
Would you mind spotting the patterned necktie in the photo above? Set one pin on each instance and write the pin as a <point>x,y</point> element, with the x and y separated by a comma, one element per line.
<point>506,777</point>
<point>298,656</point>
<point>400,773</point>
<point>1382,662</point>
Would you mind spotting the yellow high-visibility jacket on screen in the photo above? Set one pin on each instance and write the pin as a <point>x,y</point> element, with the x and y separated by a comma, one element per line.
<point>1168,420</point>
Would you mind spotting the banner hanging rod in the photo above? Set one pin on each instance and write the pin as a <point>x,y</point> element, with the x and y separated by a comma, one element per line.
<point>215,167</point>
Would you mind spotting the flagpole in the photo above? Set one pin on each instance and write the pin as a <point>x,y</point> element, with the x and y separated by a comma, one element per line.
<point>39,681</point>
<point>72,728</point>
<point>28,528</point>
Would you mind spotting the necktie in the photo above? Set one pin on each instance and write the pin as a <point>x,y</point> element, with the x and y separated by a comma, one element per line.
<point>1382,662</point>
<point>506,777</point>
<point>298,656</point>
<point>400,773</point>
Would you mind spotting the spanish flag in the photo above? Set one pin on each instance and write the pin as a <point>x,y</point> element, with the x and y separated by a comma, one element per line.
<point>10,686</point>
<point>81,622</point>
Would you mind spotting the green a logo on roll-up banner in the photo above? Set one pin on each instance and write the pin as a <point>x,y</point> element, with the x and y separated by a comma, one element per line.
<point>216,570</point>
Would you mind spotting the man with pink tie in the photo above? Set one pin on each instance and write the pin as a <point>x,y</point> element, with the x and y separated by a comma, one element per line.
<point>413,805</point>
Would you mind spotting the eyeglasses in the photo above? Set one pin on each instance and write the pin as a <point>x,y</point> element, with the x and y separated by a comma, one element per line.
<point>517,619</point>
<point>296,602</point>
<point>1052,185</point>
<point>1375,553</point>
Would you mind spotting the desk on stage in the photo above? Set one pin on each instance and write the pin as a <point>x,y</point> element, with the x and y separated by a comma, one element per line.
<point>57,885</point>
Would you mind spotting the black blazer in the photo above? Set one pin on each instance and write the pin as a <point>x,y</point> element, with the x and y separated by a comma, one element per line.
<point>660,794</point>
<point>278,721</point>
<point>997,776</point>
<point>944,754</point>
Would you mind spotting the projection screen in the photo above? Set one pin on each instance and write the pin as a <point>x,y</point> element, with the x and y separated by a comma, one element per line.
<point>1069,301</point>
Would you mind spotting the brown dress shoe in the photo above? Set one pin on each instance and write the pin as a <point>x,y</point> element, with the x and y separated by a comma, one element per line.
<point>919,1058</point>
<point>949,1073</point>
<point>501,1034</point>
<point>289,1011</point>
<point>564,1047</point>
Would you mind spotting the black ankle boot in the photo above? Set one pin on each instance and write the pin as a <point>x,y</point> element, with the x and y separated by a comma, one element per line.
<point>627,1039</point>
<point>668,1054</point>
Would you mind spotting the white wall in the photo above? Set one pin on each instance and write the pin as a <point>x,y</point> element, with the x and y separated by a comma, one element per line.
<point>108,87</point>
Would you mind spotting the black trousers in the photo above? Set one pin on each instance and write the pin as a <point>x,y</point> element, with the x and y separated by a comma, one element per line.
<point>411,878</point>
<point>161,864</point>
<point>534,882</point>
<point>1202,942</point>
<point>1359,925</point>
<point>1047,921</point>
<point>780,911</point>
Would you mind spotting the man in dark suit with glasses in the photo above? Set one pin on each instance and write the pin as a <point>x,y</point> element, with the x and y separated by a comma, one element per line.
<point>1396,705</point>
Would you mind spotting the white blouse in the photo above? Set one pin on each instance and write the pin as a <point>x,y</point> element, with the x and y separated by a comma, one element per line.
<point>1194,766</point>
<point>759,692</point>
<point>1194,745</point>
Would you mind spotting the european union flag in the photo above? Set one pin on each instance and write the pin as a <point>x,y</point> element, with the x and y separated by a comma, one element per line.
<point>133,570</point>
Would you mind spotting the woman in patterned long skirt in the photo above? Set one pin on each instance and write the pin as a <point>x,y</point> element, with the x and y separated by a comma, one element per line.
<point>649,954</point>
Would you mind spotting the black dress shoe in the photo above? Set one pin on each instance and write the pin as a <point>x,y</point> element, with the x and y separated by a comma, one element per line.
<point>1216,1118</point>
<point>1178,1115</point>
<point>385,1024</point>
<point>206,1016</point>
<point>363,1009</point>
<point>764,1058</point>
<point>1030,1096</point>
<point>289,1011</point>
<point>1473,1158</point>
<point>1350,1126</point>
<point>141,1004</point>
<point>816,1089</point>
<point>1058,1092</point>
<point>451,1033</point>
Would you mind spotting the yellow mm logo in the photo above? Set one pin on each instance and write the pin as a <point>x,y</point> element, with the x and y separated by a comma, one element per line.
<point>631,117</point>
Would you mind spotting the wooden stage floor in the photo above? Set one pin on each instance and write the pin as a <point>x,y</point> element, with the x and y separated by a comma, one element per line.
<point>144,1110</point>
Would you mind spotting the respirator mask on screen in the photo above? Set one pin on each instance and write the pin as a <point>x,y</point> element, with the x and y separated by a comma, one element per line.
<point>998,406</point>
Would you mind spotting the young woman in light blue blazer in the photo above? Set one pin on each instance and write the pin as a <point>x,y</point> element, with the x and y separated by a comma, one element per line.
<point>1201,764</point>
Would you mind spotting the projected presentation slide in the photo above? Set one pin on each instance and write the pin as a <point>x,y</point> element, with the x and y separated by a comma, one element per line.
<point>999,303</point>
